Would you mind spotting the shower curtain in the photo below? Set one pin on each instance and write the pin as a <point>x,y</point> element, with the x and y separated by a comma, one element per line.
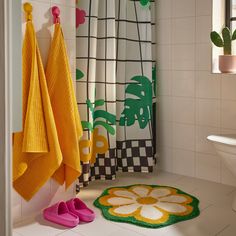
<point>116,86</point>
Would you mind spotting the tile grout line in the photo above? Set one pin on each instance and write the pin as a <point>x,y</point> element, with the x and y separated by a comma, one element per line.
<point>127,228</point>
<point>181,17</point>
<point>205,208</point>
<point>131,230</point>
<point>171,84</point>
<point>231,192</point>
<point>220,120</point>
<point>67,230</point>
<point>195,95</point>
<point>18,234</point>
<point>218,233</point>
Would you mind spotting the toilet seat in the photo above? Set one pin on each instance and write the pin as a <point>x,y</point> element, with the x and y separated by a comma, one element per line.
<point>229,139</point>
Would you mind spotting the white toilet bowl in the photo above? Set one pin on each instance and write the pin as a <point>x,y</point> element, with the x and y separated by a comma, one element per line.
<point>225,146</point>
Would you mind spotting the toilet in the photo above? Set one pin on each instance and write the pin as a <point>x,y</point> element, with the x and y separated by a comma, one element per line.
<point>225,146</point>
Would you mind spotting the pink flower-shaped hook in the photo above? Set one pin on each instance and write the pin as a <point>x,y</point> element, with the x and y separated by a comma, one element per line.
<point>80,17</point>
<point>56,13</point>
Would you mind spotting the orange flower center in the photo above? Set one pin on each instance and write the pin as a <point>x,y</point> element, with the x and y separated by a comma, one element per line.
<point>146,200</point>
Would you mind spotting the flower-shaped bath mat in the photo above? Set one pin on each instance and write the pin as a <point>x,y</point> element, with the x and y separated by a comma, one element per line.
<point>150,206</point>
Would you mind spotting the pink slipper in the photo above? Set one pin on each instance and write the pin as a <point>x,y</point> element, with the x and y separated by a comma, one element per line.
<point>79,208</point>
<point>60,214</point>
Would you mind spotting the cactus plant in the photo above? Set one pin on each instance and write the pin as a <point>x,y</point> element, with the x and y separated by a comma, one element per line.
<point>225,41</point>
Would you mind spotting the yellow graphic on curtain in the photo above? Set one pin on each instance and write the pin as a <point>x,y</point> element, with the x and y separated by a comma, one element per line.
<point>93,147</point>
<point>98,144</point>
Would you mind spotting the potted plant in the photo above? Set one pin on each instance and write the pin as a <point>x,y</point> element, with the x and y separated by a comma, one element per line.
<point>227,62</point>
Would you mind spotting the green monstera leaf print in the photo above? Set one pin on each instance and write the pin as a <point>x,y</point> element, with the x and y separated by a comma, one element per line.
<point>154,79</point>
<point>100,117</point>
<point>145,2</point>
<point>140,107</point>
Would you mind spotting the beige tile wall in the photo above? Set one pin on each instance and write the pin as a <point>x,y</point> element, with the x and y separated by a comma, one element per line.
<point>193,102</point>
<point>51,192</point>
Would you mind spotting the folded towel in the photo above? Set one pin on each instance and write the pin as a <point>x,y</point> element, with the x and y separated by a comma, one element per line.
<point>64,105</point>
<point>36,150</point>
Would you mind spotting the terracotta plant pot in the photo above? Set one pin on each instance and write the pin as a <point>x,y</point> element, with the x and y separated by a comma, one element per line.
<point>227,63</point>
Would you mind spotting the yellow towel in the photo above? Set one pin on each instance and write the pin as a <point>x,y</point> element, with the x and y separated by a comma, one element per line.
<point>65,109</point>
<point>36,150</point>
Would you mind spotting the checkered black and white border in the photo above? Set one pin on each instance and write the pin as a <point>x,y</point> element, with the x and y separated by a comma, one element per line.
<point>129,156</point>
<point>104,169</point>
<point>135,156</point>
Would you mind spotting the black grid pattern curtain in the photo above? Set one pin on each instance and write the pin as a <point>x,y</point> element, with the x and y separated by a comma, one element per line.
<point>116,87</point>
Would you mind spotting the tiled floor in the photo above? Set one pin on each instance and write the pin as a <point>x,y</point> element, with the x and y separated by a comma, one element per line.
<point>216,218</point>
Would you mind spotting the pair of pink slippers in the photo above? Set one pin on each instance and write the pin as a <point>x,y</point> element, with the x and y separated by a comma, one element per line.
<point>69,213</point>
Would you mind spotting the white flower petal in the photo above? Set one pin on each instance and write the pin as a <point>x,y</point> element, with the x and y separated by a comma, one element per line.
<point>173,198</point>
<point>141,191</point>
<point>117,201</point>
<point>126,210</point>
<point>150,212</point>
<point>124,193</point>
<point>171,207</point>
<point>159,192</point>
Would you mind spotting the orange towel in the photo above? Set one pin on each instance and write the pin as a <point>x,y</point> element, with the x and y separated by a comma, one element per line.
<point>36,150</point>
<point>65,109</point>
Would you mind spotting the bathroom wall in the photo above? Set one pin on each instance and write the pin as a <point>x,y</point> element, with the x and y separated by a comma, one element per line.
<point>193,102</point>
<point>51,192</point>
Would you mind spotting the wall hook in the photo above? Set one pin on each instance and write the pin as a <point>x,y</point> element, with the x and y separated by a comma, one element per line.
<point>56,13</point>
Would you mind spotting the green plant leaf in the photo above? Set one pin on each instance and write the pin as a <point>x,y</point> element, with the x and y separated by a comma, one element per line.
<point>90,106</point>
<point>105,115</point>
<point>139,108</point>
<point>154,79</point>
<point>143,89</point>
<point>226,34</point>
<point>128,117</point>
<point>136,109</point>
<point>109,118</point>
<point>99,102</point>
<point>145,2</point>
<point>216,39</point>
<point>108,127</point>
<point>79,74</point>
<point>135,89</point>
<point>87,125</point>
<point>234,35</point>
